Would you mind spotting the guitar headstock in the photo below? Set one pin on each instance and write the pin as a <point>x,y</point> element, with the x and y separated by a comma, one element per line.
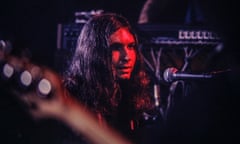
<point>25,76</point>
<point>20,73</point>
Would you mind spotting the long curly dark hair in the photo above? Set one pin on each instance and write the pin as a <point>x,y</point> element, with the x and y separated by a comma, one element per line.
<point>90,77</point>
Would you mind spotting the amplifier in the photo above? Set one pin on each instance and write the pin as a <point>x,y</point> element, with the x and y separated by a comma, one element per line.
<point>177,35</point>
<point>180,46</point>
<point>67,35</point>
<point>155,34</point>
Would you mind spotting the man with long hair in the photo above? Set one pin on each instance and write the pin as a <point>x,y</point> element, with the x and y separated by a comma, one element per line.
<point>107,73</point>
<point>104,88</point>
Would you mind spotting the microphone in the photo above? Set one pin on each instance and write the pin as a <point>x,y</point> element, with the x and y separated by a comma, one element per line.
<point>172,74</point>
<point>5,46</point>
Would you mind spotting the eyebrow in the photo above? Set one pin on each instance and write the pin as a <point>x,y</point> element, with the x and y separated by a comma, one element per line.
<point>119,43</point>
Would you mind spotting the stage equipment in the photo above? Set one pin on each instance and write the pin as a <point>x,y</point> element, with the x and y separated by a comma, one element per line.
<point>84,16</point>
<point>189,49</point>
<point>173,53</point>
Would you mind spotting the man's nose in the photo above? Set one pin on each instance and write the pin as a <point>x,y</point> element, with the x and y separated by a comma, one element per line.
<point>125,54</point>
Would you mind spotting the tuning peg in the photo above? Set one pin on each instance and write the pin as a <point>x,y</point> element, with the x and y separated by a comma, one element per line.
<point>24,81</point>
<point>33,80</point>
<point>7,71</point>
<point>44,88</point>
<point>5,47</point>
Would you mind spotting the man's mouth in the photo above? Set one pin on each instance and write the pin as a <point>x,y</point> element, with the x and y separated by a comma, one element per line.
<point>124,66</point>
<point>125,69</point>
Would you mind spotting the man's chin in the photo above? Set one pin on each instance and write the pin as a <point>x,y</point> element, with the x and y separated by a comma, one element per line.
<point>124,77</point>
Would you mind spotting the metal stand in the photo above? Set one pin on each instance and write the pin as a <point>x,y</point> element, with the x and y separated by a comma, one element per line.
<point>185,42</point>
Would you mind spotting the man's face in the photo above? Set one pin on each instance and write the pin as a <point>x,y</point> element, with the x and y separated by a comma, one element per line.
<point>123,47</point>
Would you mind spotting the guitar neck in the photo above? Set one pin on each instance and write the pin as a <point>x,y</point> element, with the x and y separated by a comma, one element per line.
<point>83,121</point>
<point>44,88</point>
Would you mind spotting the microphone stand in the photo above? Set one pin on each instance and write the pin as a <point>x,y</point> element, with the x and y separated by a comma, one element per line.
<point>189,54</point>
<point>155,68</point>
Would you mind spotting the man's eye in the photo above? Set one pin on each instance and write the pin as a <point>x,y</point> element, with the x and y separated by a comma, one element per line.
<point>116,47</point>
<point>132,46</point>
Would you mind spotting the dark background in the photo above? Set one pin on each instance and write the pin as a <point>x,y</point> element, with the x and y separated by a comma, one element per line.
<point>33,25</point>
